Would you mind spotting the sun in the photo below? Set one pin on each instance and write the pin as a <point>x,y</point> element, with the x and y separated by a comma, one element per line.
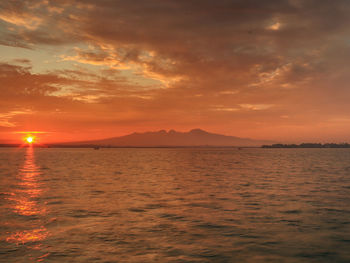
<point>29,139</point>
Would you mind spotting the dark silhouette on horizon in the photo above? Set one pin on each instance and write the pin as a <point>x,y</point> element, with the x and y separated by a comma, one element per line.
<point>309,145</point>
<point>172,138</point>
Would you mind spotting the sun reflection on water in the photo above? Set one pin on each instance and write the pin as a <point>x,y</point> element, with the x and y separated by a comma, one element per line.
<point>28,236</point>
<point>25,204</point>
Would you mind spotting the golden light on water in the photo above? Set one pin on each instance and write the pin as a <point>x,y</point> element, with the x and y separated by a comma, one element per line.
<point>22,237</point>
<point>25,203</point>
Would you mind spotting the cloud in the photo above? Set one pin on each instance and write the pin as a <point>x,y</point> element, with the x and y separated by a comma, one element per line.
<point>223,63</point>
<point>68,96</point>
<point>256,106</point>
<point>5,118</point>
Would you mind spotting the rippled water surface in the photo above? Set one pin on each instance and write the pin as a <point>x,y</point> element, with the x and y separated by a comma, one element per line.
<point>174,205</point>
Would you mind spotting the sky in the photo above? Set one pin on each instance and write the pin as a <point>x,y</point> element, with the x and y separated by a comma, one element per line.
<point>76,70</point>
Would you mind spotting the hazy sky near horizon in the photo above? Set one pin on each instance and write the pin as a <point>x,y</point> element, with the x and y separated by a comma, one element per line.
<point>77,69</point>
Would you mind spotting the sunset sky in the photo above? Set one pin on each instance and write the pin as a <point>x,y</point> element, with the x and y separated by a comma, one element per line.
<point>76,70</point>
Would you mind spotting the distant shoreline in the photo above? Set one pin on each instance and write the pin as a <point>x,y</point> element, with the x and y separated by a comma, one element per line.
<point>112,147</point>
<point>309,145</point>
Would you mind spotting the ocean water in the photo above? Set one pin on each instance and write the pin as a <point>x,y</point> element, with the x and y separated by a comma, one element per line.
<point>174,205</point>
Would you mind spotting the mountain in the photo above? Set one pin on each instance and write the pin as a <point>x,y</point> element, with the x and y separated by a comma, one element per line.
<point>162,138</point>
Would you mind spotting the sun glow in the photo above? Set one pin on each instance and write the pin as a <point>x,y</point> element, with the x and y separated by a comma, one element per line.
<point>29,139</point>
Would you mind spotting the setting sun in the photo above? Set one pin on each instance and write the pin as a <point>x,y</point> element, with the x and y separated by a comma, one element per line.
<point>29,139</point>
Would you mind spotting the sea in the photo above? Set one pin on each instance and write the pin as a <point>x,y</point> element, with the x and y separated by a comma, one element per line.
<point>174,205</point>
